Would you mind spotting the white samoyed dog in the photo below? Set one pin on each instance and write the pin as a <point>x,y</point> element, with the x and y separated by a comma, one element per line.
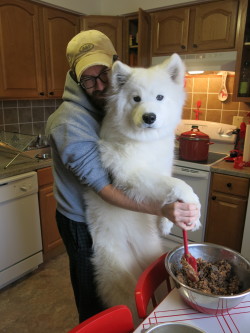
<point>137,149</point>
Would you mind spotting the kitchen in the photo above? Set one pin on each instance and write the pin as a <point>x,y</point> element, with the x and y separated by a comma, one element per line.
<point>29,115</point>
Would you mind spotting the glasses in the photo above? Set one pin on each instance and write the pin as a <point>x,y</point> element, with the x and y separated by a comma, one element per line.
<point>88,82</point>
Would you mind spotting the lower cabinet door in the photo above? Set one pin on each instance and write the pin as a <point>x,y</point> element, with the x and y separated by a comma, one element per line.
<point>226,219</point>
<point>50,234</point>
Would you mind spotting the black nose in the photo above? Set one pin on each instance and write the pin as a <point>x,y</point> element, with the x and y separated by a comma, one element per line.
<point>149,118</point>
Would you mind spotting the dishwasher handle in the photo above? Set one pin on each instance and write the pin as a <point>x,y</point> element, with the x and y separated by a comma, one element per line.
<point>190,173</point>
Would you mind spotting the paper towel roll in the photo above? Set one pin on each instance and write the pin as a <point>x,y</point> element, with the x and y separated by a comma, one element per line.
<point>246,151</point>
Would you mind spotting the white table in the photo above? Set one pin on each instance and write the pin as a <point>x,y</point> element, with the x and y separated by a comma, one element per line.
<point>174,309</point>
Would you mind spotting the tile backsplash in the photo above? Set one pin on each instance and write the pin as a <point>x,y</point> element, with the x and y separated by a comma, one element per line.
<point>205,88</point>
<point>30,116</point>
<point>26,116</point>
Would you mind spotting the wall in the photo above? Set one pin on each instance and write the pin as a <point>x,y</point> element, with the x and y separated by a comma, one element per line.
<point>205,88</point>
<point>79,6</point>
<point>29,117</point>
<point>26,116</point>
<point>111,7</point>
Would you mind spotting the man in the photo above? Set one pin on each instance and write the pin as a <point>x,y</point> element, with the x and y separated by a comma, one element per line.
<point>73,131</point>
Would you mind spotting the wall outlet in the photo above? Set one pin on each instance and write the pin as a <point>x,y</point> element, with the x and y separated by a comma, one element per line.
<point>237,120</point>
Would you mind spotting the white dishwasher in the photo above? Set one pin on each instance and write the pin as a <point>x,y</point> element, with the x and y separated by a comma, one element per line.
<point>20,230</point>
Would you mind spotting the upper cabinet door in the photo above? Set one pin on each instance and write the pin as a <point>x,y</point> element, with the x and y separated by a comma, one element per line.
<point>20,51</point>
<point>170,30</point>
<point>144,39</point>
<point>215,25</point>
<point>59,28</point>
<point>111,26</point>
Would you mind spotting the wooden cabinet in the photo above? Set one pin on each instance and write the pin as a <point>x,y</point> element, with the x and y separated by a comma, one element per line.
<point>33,42</point>
<point>52,242</point>
<point>58,28</point>
<point>137,39</point>
<point>130,35</point>
<point>204,27</point>
<point>20,50</point>
<point>170,30</point>
<point>111,26</point>
<point>227,210</point>
<point>243,53</point>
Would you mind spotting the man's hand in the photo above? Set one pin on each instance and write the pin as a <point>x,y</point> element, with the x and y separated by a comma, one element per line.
<point>182,214</point>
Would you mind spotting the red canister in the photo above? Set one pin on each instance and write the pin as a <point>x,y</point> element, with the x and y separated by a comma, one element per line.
<point>194,145</point>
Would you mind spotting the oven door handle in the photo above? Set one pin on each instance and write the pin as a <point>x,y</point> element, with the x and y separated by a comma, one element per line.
<point>190,173</point>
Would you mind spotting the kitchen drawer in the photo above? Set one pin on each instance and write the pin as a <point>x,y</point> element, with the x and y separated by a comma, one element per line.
<point>45,176</point>
<point>230,184</point>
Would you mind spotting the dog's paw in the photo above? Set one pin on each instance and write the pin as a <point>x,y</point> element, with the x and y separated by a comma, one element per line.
<point>183,192</point>
<point>197,225</point>
<point>165,226</point>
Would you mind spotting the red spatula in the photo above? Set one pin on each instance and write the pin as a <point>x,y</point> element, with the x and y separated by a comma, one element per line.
<point>190,271</point>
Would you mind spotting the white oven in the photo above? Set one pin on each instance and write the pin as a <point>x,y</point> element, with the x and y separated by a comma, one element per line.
<point>198,174</point>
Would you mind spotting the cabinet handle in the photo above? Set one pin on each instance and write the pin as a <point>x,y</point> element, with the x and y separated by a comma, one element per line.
<point>195,46</point>
<point>51,93</point>
<point>183,47</point>
<point>41,93</point>
<point>229,185</point>
<point>214,197</point>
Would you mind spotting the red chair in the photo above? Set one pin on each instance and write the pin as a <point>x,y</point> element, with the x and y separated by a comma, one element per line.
<point>117,319</point>
<point>148,282</point>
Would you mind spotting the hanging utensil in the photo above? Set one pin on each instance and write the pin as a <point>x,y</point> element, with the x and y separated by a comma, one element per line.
<point>190,263</point>
<point>197,111</point>
<point>223,94</point>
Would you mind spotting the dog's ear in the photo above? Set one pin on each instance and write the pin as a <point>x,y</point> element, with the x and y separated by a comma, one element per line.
<point>120,74</point>
<point>176,68</point>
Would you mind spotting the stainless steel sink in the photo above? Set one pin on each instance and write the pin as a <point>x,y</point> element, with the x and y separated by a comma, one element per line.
<point>40,153</point>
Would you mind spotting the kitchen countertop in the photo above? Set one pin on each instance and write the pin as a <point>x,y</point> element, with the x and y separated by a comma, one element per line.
<point>228,169</point>
<point>24,164</point>
<point>21,165</point>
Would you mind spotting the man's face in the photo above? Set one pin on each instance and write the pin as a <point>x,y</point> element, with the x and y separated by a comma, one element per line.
<point>94,81</point>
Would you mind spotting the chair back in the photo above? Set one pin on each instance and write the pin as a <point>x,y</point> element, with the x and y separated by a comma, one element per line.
<point>117,319</point>
<point>148,282</point>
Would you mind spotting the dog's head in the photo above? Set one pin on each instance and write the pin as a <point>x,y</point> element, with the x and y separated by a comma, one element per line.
<point>146,103</point>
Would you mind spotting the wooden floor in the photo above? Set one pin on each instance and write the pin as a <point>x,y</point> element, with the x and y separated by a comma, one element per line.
<point>41,302</point>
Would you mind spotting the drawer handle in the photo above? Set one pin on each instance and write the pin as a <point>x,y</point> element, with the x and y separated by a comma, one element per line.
<point>195,46</point>
<point>214,197</point>
<point>183,47</point>
<point>229,185</point>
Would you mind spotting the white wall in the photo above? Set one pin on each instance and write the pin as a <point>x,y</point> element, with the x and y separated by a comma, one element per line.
<point>79,6</point>
<point>111,7</point>
<point>118,7</point>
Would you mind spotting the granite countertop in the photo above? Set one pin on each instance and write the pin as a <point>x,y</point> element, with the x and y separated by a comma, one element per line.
<point>228,169</point>
<point>21,164</point>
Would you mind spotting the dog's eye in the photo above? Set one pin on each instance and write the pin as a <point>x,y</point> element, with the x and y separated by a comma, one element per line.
<point>159,97</point>
<point>137,98</point>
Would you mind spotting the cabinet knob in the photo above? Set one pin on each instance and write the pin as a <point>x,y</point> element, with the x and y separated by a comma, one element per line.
<point>229,185</point>
<point>214,197</point>
<point>41,93</point>
<point>51,93</point>
<point>183,47</point>
<point>195,46</point>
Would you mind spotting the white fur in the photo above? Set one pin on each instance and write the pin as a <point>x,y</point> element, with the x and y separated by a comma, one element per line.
<point>139,158</point>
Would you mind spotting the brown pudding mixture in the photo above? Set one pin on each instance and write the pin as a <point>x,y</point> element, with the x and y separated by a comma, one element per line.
<point>212,278</point>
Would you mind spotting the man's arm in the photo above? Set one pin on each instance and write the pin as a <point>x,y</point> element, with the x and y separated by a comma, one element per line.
<point>183,215</point>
